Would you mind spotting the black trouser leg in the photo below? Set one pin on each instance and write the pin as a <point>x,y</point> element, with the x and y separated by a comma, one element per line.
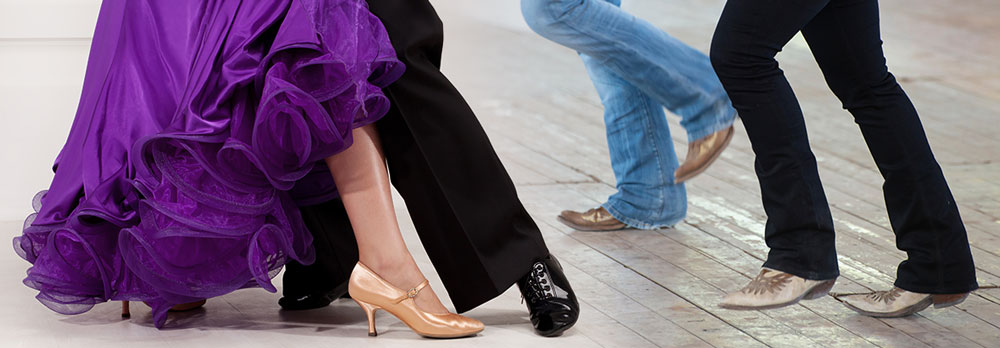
<point>921,208</point>
<point>461,199</point>
<point>799,229</point>
<point>844,37</point>
<point>336,252</point>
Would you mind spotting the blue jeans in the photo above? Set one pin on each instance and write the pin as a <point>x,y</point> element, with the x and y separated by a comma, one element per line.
<point>638,70</point>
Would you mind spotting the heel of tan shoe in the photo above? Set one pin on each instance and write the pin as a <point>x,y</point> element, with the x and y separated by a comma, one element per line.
<point>187,307</point>
<point>125,310</point>
<point>370,311</point>
<point>819,290</point>
<point>942,301</point>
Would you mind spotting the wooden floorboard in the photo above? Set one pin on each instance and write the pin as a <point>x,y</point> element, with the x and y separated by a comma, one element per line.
<point>662,288</point>
<point>547,125</point>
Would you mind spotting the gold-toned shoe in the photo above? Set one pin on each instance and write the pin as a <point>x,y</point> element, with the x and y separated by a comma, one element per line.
<point>372,293</point>
<point>597,219</point>
<point>897,302</point>
<point>701,154</point>
<point>184,307</point>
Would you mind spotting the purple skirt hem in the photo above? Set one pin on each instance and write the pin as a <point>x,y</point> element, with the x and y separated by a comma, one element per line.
<point>257,95</point>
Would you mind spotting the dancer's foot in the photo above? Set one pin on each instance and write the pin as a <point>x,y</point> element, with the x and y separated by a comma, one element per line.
<point>701,154</point>
<point>185,307</point>
<point>404,275</point>
<point>774,289</point>
<point>552,305</point>
<point>597,219</point>
<point>897,302</point>
<point>314,300</point>
<point>372,292</point>
<point>386,277</point>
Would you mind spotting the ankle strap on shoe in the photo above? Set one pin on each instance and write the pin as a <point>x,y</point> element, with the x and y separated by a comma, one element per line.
<point>412,293</point>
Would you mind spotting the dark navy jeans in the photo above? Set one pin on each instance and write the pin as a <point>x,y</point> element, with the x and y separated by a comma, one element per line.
<point>844,38</point>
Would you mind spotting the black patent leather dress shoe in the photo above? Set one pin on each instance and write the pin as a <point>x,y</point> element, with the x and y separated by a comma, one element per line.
<point>550,299</point>
<point>313,301</point>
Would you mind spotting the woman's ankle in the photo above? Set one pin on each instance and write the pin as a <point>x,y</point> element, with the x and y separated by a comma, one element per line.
<point>404,274</point>
<point>395,269</point>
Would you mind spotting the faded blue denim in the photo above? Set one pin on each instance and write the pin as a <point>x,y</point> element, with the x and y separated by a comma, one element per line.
<point>638,71</point>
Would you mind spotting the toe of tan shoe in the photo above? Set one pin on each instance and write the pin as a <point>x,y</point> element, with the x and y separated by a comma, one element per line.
<point>702,153</point>
<point>597,219</point>
<point>566,214</point>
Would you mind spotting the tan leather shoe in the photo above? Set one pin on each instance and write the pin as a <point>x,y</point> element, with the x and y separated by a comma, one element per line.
<point>701,154</point>
<point>897,302</point>
<point>597,219</point>
<point>373,293</point>
<point>774,289</point>
<point>184,307</point>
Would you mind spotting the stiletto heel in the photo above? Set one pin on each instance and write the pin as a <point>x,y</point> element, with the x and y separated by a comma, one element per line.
<point>370,311</point>
<point>372,293</point>
<point>125,311</point>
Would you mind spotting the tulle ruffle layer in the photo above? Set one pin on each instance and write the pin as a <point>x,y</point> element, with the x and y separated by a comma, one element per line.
<point>202,208</point>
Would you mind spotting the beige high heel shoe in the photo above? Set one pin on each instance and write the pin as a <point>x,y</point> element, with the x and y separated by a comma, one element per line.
<point>372,293</point>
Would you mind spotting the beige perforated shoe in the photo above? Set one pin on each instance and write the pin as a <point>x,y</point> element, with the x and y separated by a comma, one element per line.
<point>774,289</point>
<point>897,302</point>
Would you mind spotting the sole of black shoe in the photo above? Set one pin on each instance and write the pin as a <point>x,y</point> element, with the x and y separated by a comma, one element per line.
<point>558,332</point>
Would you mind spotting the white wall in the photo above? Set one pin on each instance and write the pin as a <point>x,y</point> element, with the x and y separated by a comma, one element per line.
<point>43,54</point>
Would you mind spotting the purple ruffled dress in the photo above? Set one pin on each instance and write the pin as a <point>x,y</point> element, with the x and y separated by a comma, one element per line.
<point>202,125</point>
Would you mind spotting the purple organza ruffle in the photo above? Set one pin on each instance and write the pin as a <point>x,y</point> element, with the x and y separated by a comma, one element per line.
<point>173,185</point>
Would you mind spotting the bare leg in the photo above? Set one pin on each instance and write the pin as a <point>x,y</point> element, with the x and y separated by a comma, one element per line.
<point>363,182</point>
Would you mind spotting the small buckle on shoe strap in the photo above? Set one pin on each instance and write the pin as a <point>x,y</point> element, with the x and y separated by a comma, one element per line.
<point>412,293</point>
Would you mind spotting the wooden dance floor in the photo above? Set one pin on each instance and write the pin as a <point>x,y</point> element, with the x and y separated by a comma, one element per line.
<point>637,288</point>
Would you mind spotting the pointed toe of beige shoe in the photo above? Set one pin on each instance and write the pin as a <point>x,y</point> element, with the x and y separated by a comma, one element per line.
<point>775,289</point>
<point>897,302</point>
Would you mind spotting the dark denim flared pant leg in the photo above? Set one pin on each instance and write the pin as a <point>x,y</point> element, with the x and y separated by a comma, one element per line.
<point>844,38</point>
